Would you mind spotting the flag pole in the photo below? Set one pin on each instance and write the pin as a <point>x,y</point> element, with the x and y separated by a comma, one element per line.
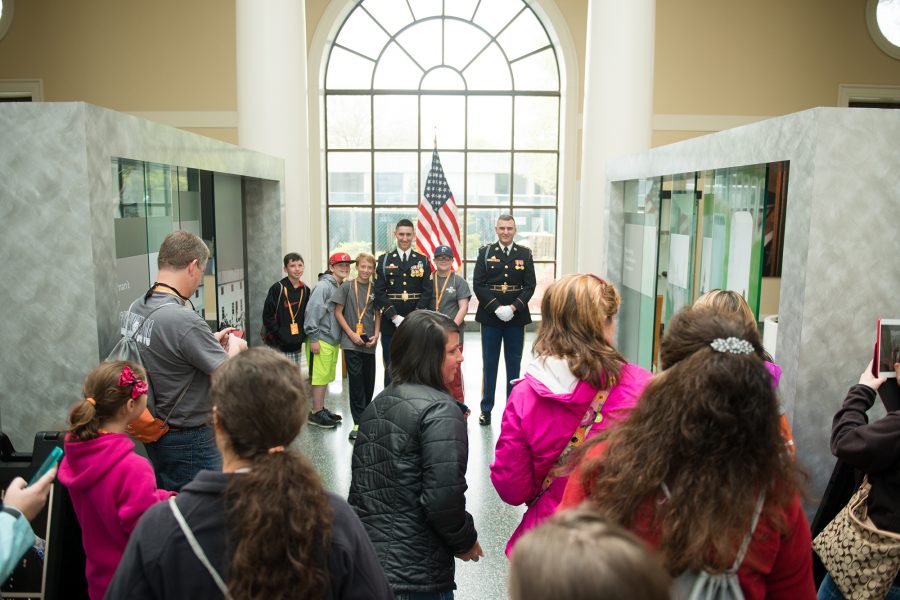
<point>435,137</point>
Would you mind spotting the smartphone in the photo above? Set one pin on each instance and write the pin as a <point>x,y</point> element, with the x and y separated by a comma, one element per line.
<point>887,348</point>
<point>52,459</point>
<point>365,338</point>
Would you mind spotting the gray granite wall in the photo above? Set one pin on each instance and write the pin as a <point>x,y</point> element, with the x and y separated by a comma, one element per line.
<point>840,270</point>
<point>57,205</point>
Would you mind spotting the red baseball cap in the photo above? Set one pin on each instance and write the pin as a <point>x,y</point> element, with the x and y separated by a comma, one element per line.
<point>340,257</point>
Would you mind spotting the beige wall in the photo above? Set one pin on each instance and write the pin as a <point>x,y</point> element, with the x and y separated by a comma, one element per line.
<point>713,57</point>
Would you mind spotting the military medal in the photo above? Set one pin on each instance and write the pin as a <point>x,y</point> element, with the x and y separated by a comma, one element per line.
<point>404,296</point>
<point>295,329</point>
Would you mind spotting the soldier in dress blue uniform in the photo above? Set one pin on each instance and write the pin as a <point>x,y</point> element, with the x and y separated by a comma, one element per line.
<point>503,282</point>
<point>400,277</point>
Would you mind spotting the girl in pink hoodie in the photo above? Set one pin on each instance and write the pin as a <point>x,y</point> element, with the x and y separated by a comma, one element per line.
<point>574,363</point>
<point>109,484</point>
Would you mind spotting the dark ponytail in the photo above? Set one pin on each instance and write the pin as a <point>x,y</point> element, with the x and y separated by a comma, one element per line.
<point>278,515</point>
<point>103,398</point>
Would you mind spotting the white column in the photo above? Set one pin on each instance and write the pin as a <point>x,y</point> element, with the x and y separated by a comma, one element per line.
<point>272,101</point>
<point>618,109</point>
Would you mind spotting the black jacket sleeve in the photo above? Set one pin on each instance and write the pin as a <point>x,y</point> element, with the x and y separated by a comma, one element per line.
<point>445,455</point>
<point>426,301</point>
<point>479,281</point>
<point>381,297</point>
<point>270,309</point>
<point>869,447</point>
<point>528,286</point>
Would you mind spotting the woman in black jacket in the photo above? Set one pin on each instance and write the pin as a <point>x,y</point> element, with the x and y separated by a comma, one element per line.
<point>266,525</point>
<point>873,448</point>
<point>409,464</point>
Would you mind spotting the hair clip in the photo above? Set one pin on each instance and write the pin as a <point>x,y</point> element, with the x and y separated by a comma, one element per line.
<point>732,345</point>
<point>90,401</point>
<point>275,449</point>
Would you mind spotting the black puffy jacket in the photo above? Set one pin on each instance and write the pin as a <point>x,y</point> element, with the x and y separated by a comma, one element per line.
<point>409,484</point>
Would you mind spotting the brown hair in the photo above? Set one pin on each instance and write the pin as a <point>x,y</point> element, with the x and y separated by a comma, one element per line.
<point>579,555</point>
<point>708,427</point>
<point>365,256</point>
<point>730,303</point>
<point>180,248</point>
<point>278,515</point>
<point>575,314</point>
<point>102,386</point>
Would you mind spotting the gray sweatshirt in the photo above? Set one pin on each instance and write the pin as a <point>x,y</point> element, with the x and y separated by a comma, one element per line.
<point>320,323</point>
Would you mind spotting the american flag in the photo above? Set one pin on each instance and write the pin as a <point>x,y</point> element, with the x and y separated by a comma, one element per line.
<point>437,214</point>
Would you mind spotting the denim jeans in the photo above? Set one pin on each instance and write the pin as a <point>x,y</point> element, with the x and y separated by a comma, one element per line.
<point>179,455</point>
<point>829,590</point>
<point>425,596</point>
<point>513,339</point>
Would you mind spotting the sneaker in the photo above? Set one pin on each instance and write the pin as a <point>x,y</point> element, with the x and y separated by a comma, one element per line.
<point>321,419</point>
<point>334,416</point>
<point>354,433</point>
<point>485,418</point>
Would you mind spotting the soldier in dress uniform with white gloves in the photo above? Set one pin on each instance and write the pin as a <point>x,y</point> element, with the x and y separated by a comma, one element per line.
<point>400,277</point>
<point>503,282</point>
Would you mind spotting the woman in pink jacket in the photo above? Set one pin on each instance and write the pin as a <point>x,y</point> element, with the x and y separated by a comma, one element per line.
<point>575,370</point>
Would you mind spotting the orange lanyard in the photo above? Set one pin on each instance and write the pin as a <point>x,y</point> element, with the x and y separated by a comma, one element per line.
<point>437,296</point>
<point>360,313</point>
<point>291,310</point>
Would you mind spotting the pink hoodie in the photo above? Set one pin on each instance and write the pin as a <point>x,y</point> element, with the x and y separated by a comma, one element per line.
<point>110,487</point>
<point>543,411</point>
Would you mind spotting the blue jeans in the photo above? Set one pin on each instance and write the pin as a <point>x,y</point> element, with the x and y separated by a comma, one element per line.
<point>513,339</point>
<point>425,596</point>
<point>829,590</point>
<point>179,455</point>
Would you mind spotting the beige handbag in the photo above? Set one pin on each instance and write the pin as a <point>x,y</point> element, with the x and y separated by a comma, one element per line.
<point>862,559</point>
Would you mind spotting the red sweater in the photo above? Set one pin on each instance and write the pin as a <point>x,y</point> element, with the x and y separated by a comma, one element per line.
<point>776,566</point>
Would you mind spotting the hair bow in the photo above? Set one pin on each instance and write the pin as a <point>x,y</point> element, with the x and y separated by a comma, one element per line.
<point>138,386</point>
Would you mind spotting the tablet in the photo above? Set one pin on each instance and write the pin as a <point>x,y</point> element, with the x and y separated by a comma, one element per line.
<point>887,347</point>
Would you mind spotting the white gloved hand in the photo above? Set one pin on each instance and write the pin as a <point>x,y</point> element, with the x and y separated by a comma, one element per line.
<point>397,320</point>
<point>504,313</point>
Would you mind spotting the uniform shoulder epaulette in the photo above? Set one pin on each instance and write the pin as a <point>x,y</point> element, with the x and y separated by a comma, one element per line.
<point>523,247</point>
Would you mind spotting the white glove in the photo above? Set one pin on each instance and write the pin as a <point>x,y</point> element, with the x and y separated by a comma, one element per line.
<point>504,313</point>
<point>397,320</point>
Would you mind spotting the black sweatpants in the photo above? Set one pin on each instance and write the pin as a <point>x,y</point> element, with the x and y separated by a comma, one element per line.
<point>361,375</point>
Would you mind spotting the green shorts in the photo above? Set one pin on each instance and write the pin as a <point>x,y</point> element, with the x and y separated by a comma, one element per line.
<point>324,363</point>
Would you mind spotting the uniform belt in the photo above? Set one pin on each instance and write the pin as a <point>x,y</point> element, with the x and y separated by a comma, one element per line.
<point>509,288</point>
<point>409,296</point>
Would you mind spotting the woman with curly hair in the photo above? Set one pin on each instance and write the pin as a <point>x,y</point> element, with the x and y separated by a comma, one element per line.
<point>577,385</point>
<point>700,455</point>
<point>264,527</point>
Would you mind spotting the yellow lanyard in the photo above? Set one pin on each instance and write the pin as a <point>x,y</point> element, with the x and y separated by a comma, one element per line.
<point>291,310</point>
<point>360,313</point>
<point>437,296</point>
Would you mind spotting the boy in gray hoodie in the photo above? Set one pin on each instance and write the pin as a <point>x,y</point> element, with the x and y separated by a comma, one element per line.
<point>323,334</point>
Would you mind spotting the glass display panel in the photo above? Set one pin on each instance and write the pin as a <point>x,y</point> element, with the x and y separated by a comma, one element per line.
<point>424,42</point>
<point>637,313</point>
<point>396,70</point>
<point>488,179</point>
<point>348,71</point>
<point>536,229</point>
<point>538,72</point>
<point>462,42</point>
<point>496,14</point>
<point>229,252</point>
<point>396,121</point>
<point>396,176</point>
<point>490,122</point>
<point>353,128</point>
<point>537,123</point>
<point>349,177</point>
<point>393,15</point>
<point>525,34</point>
<point>349,230</point>
<point>534,179</point>
<point>676,243</point>
<point>362,34</point>
<point>444,117</point>
<point>489,71</point>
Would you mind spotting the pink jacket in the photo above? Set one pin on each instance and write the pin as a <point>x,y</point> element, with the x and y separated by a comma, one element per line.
<point>543,411</point>
<point>110,487</point>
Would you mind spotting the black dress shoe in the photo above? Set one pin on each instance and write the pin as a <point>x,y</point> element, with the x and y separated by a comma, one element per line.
<point>485,418</point>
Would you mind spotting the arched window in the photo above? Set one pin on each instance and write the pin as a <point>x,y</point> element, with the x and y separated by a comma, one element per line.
<point>480,78</point>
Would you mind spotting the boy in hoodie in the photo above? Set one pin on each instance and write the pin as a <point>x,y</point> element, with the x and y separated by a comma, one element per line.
<point>323,334</point>
<point>110,485</point>
<point>284,310</point>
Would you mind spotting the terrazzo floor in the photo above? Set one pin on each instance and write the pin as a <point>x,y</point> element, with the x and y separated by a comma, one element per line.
<point>330,452</point>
